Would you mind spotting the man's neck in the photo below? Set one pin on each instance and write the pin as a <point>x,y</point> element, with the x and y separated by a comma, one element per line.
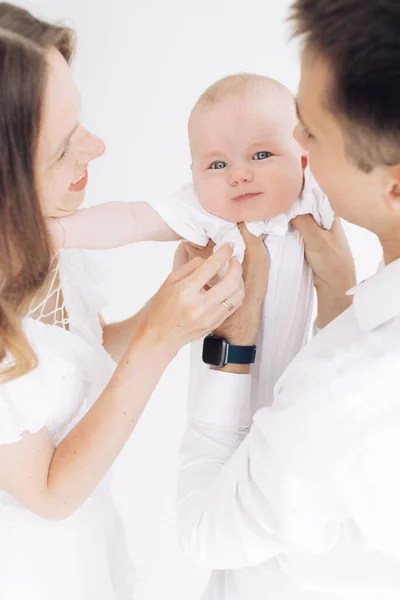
<point>391,249</point>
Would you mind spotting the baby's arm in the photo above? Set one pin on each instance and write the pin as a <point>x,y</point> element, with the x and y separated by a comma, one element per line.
<point>110,225</point>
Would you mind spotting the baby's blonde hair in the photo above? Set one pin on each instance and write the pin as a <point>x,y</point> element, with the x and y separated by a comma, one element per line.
<point>238,84</point>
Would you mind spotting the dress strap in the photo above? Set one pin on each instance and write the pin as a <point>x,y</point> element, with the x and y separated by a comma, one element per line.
<point>51,309</point>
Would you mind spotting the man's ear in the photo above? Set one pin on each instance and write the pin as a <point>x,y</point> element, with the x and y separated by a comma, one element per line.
<point>392,193</point>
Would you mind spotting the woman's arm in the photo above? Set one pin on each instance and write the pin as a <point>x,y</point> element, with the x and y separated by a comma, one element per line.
<point>110,225</point>
<point>54,482</point>
<point>117,336</point>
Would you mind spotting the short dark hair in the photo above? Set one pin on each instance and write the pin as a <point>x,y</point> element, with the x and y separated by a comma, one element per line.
<point>360,39</point>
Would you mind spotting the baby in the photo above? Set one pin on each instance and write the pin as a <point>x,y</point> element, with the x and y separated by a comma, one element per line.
<point>246,166</point>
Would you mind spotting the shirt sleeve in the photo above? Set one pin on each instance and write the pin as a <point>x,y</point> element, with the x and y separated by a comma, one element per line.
<point>248,492</point>
<point>313,201</point>
<point>182,211</point>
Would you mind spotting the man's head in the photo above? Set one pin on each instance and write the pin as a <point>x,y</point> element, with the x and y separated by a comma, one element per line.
<point>349,105</point>
<point>246,163</point>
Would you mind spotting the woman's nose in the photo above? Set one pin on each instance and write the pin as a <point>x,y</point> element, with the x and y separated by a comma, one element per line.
<point>91,147</point>
<point>240,175</point>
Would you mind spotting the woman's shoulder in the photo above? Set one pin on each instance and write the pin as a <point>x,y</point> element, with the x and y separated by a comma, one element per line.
<point>82,279</point>
<point>50,393</point>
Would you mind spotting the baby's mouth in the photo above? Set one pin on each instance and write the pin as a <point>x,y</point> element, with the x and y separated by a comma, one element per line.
<point>246,197</point>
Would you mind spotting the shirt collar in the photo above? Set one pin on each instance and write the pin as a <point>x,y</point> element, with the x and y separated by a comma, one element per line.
<point>377,299</point>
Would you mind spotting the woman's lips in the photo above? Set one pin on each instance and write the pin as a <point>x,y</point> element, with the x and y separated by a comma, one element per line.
<point>80,184</point>
<point>246,197</point>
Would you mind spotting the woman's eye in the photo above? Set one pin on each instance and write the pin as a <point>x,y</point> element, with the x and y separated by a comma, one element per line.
<point>218,164</point>
<point>262,155</point>
<point>64,153</point>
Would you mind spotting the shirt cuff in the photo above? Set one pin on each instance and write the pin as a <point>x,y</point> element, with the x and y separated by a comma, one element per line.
<point>223,399</point>
<point>315,329</point>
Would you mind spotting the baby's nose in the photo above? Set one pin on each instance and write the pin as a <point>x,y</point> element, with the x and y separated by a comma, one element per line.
<point>238,176</point>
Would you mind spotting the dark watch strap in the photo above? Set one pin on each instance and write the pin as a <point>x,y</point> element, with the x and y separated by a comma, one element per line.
<point>241,355</point>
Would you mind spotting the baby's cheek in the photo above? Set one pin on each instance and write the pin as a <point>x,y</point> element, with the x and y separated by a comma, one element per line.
<point>289,188</point>
<point>211,197</point>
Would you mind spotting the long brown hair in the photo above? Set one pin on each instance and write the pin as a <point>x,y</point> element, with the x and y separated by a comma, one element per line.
<point>25,248</point>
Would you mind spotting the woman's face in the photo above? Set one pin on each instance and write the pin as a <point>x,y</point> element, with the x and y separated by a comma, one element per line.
<point>65,148</point>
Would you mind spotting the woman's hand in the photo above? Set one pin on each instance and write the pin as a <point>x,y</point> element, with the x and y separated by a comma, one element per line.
<point>185,309</point>
<point>329,255</point>
<point>240,328</point>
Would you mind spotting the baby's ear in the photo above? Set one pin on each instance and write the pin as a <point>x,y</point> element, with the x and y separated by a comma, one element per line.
<point>304,162</point>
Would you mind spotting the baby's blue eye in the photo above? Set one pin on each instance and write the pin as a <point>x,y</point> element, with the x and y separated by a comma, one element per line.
<point>218,164</point>
<point>262,155</point>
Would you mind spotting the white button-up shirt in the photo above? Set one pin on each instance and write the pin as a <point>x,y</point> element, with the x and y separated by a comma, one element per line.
<point>303,503</point>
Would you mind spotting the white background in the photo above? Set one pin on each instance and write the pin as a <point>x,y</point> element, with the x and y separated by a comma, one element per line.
<point>140,67</point>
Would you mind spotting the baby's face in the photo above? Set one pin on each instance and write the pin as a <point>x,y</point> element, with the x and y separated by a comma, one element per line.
<point>246,163</point>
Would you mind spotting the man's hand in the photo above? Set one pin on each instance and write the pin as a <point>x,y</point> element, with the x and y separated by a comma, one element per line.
<point>328,254</point>
<point>242,327</point>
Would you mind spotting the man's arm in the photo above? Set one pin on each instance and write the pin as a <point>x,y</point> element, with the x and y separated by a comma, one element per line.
<point>329,256</point>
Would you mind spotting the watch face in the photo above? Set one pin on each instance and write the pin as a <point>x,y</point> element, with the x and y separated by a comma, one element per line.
<point>214,351</point>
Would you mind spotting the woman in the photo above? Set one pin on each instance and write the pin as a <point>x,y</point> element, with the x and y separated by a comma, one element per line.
<point>302,503</point>
<point>65,410</point>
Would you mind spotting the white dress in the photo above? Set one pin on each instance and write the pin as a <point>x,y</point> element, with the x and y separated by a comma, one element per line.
<point>84,557</point>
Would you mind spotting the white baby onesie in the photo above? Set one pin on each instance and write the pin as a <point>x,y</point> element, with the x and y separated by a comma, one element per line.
<point>288,304</point>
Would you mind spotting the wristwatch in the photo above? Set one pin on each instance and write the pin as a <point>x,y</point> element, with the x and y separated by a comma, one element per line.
<point>218,352</point>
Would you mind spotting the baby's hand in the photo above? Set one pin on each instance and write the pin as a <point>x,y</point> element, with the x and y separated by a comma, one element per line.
<point>56,232</point>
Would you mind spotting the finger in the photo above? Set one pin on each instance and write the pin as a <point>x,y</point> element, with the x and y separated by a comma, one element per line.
<point>229,284</point>
<point>306,225</point>
<point>339,234</point>
<point>211,266</point>
<point>222,314</point>
<point>246,235</point>
<point>312,233</point>
<point>185,270</point>
<point>337,228</point>
<point>181,256</point>
<point>204,252</point>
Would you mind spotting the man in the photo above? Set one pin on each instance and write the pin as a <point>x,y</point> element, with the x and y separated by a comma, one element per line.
<point>303,503</point>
